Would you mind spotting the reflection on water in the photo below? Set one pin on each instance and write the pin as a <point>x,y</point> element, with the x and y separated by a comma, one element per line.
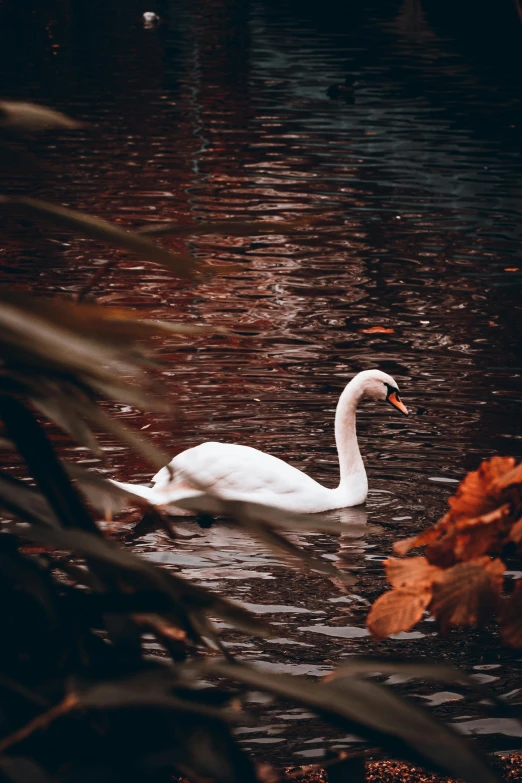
<point>412,195</point>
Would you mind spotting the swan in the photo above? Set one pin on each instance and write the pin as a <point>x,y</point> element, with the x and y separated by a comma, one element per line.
<point>211,471</point>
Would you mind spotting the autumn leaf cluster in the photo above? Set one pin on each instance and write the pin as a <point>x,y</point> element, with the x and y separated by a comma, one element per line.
<point>460,578</point>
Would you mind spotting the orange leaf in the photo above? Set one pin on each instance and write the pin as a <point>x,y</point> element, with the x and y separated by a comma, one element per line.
<point>468,593</point>
<point>426,537</point>
<point>511,269</point>
<point>412,572</point>
<point>513,476</point>
<point>478,493</point>
<point>497,515</point>
<point>442,551</point>
<point>375,329</point>
<point>397,610</point>
<point>511,617</point>
<point>515,534</point>
<point>485,534</point>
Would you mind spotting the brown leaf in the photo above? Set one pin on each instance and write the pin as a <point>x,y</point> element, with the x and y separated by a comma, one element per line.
<point>498,514</point>
<point>515,534</point>
<point>95,228</point>
<point>468,593</point>
<point>412,572</point>
<point>426,537</point>
<point>511,617</point>
<point>19,117</point>
<point>478,493</point>
<point>442,551</point>
<point>376,329</point>
<point>486,534</point>
<point>397,610</point>
<point>513,476</point>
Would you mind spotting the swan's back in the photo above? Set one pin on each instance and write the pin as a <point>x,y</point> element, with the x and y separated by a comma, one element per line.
<point>238,472</point>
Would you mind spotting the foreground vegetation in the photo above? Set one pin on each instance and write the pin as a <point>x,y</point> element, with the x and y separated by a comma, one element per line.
<point>460,580</point>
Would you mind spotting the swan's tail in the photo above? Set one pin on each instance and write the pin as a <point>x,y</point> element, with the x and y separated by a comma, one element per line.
<point>165,497</point>
<point>140,490</point>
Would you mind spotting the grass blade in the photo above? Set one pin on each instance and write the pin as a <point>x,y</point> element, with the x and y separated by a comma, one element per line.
<point>94,228</point>
<point>374,712</point>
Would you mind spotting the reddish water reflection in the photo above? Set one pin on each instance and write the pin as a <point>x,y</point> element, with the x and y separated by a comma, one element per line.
<point>412,195</point>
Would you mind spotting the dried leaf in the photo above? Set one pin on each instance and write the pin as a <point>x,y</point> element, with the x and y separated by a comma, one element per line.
<point>114,325</point>
<point>376,329</point>
<point>18,117</point>
<point>508,479</point>
<point>229,228</point>
<point>468,593</point>
<point>497,515</point>
<point>487,534</point>
<point>180,263</point>
<point>515,534</point>
<point>413,572</point>
<point>478,493</point>
<point>397,610</point>
<point>426,537</point>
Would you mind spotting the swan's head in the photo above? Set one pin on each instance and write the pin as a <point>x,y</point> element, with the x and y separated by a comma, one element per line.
<point>380,386</point>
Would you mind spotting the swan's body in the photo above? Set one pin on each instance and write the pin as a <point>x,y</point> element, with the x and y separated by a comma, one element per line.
<point>211,472</point>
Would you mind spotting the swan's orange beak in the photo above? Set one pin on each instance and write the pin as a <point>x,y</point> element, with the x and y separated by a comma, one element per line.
<point>396,401</point>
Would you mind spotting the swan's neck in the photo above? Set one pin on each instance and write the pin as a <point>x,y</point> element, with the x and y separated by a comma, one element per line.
<point>350,460</point>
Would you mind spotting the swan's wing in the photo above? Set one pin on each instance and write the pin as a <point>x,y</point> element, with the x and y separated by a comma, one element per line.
<point>228,470</point>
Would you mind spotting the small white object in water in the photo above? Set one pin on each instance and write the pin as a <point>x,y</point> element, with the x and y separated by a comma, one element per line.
<point>150,18</point>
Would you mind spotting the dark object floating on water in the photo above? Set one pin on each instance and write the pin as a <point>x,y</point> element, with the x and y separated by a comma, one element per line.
<point>150,19</point>
<point>339,92</point>
<point>205,520</point>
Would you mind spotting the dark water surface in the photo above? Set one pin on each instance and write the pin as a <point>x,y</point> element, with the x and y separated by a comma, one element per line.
<point>410,184</point>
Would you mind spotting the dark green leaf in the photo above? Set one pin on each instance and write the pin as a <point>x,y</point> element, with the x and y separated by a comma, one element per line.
<point>414,669</point>
<point>44,465</point>
<point>140,574</point>
<point>94,228</point>
<point>15,769</point>
<point>58,409</point>
<point>152,454</point>
<point>25,502</point>
<point>33,341</point>
<point>375,712</point>
<point>107,498</point>
<point>229,228</point>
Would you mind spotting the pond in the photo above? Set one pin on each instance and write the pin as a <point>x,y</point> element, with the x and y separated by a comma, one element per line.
<point>406,176</point>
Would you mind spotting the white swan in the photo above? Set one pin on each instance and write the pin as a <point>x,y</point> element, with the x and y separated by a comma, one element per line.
<point>230,472</point>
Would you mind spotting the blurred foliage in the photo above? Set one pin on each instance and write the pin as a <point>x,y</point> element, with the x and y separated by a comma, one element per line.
<point>460,580</point>
<point>80,698</point>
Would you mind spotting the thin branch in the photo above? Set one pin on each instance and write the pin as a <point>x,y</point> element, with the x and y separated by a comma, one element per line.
<point>40,722</point>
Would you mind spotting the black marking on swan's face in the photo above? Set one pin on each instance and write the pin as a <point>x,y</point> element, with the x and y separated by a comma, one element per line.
<point>394,399</point>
